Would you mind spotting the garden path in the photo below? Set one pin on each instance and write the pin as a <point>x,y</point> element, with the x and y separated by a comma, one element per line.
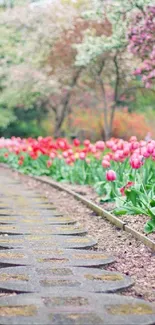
<point>49,271</point>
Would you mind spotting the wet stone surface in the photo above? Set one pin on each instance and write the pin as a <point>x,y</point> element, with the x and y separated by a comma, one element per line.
<point>45,262</point>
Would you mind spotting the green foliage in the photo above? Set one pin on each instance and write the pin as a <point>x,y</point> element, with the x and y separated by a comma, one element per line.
<point>6,118</point>
<point>138,201</point>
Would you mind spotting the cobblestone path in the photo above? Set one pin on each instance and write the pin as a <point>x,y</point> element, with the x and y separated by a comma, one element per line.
<point>49,273</point>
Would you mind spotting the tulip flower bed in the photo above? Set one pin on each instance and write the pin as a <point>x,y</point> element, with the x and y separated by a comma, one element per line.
<point>121,172</point>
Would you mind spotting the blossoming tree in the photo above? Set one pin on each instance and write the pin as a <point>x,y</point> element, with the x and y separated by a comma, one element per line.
<point>108,56</point>
<point>142,44</point>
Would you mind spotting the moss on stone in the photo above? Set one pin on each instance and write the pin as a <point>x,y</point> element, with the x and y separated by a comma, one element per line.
<point>66,301</point>
<point>127,309</point>
<point>78,240</point>
<point>10,277</point>
<point>104,277</point>
<point>59,282</point>
<point>11,255</point>
<point>10,311</point>
<point>89,256</point>
<point>52,259</point>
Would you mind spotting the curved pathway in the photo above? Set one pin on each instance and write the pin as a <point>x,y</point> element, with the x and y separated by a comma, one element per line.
<point>50,274</point>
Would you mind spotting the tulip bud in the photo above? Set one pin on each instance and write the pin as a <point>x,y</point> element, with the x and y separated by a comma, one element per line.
<point>110,175</point>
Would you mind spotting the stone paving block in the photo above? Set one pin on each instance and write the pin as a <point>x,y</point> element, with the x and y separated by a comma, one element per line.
<point>45,259</point>
<point>75,308</point>
<point>87,281</point>
<point>53,220</point>
<point>22,310</point>
<point>98,309</point>
<point>45,230</point>
<point>29,241</point>
<point>16,257</point>
<point>32,279</point>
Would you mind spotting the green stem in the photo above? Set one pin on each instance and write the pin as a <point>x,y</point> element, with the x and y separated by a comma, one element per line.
<point>113,190</point>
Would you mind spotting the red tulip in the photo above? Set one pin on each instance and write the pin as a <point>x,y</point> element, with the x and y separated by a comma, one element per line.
<point>49,163</point>
<point>76,142</point>
<point>20,162</point>
<point>128,185</point>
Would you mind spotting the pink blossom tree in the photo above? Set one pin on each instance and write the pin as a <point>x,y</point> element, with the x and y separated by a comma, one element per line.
<point>142,44</point>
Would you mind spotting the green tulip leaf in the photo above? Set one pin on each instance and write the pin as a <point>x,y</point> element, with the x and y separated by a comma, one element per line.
<point>150,226</point>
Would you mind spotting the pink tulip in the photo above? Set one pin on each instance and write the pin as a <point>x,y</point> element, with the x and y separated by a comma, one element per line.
<point>72,158</point>
<point>97,155</point>
<point>126,151</point>
<point>110,175</point>
<point>150,148</point>
<point>109,144</point>
<point>133,138</point>
<point>70,152</point>
<point>65,154</point>
<point>145,153</point>
<point>68,161</point>
<point>107,157</point>
<point>136,162</point>
<point>93,149</point>
<point>100,145</point>
<point>116,156</point>
<point>52,155</point>
<point>120,145</point>
<point>82,155</point>
<point>105,163</point>
<point>86,143</point>
<point>114,148</point>
<point>134,145</point>
<point>153,153</point>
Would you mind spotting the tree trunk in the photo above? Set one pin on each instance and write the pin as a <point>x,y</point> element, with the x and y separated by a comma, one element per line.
<point>57,127</point>
<point>64,106</point>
